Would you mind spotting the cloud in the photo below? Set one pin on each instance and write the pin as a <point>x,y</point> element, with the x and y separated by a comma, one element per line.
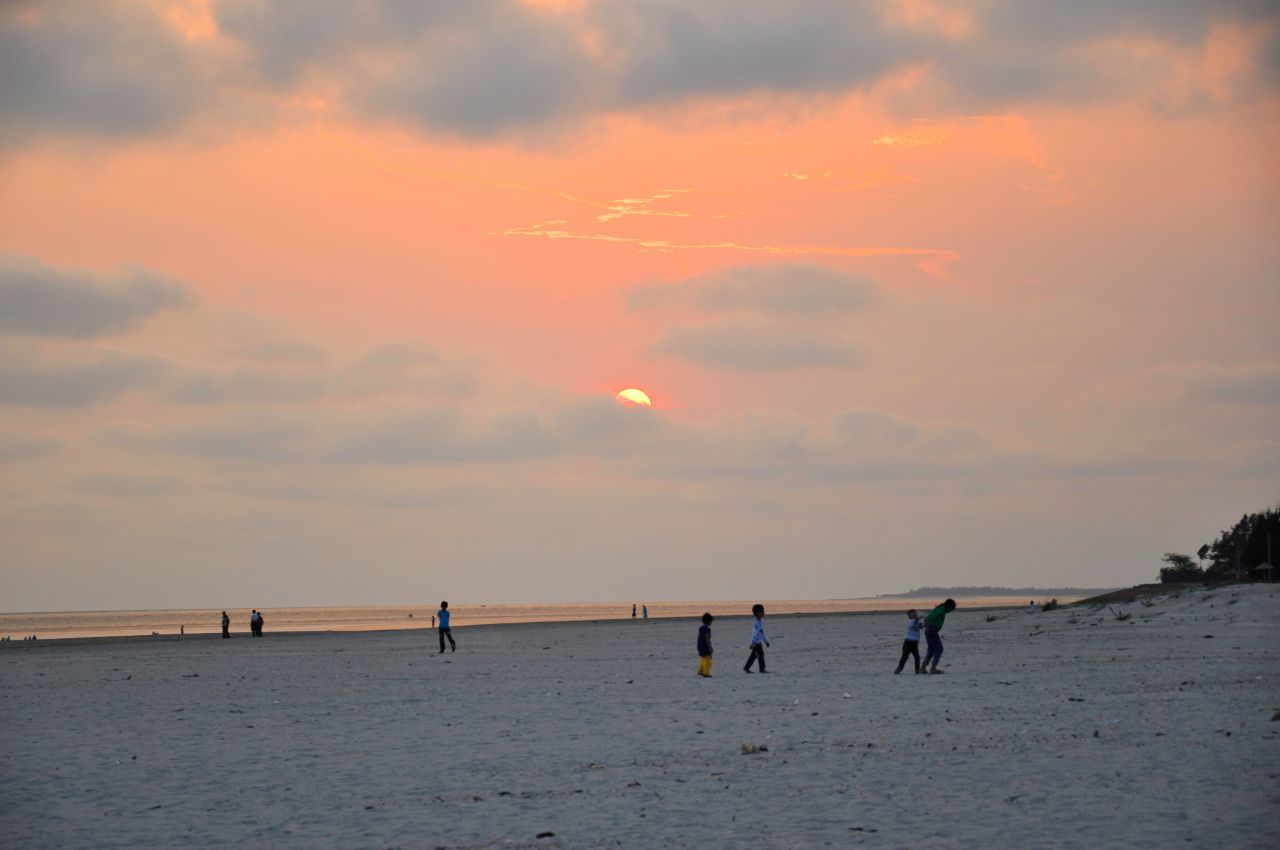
<point>408,368</point>
<point>492,68</point>
<point>792,289</point>
<point>1043,51</point>
<point>778,296</point>
<point>416,436</point>
<point>239,439</point>
<point>754,348</point>
<point>477,68</point>
<point>1255,384</point>
<point>38,300</point>
<point>517,72</point>
<point>240,336</point>
<point>848,448</point>
<point>444,436</point>
<point>54,373</point>
<point>496,68</point>
<point>876,427</point>
<point>18,445</point>
<point>669,50</point>
<point>397,356</point>
<point>1185,391</point>
<point>246,385</point>
<point>851,446</point>
<point>387,370</point>
<point>604,428</point>
<point>1048,23</point>
<point>285,40</point>
<point>282,351</point>
<point>127,486</point>
<point>105,69</point>
<point>103,379</point>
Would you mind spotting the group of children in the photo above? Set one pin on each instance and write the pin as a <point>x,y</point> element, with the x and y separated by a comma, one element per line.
<point>759,640</point>
<point>931,624</point>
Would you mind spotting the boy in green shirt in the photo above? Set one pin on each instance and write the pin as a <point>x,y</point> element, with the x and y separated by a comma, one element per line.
<point>932,625</point>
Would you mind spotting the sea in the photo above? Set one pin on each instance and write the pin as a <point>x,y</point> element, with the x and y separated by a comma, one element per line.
<point>366,618</point>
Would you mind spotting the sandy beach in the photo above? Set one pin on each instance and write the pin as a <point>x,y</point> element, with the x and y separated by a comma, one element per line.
<point>1064,729</point>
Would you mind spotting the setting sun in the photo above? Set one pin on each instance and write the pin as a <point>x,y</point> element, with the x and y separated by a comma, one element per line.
<point>633,397</point>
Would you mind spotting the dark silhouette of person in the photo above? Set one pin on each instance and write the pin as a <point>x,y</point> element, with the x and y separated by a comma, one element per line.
<point>226,625</point>
<point>633,610</point>
<point>445,631</point>
<point>759,640</point>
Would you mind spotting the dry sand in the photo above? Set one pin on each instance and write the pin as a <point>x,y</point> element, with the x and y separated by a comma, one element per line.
<point>1061,729</point>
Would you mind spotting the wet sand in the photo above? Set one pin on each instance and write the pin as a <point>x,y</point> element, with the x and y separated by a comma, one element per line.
<point>1069,728</point>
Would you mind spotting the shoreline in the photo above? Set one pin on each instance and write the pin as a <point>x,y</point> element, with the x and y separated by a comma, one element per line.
<point>172,637</point>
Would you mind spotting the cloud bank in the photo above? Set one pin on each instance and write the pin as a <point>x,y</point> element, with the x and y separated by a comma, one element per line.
<point>38,300</point>
<point>493,68</point>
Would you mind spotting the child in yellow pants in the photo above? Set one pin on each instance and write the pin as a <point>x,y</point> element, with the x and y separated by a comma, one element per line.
<point>704,647</point>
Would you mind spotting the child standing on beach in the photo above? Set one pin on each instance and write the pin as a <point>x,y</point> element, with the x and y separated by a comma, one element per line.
<point>445,631</point>
<point>911,646</point>
<point>704,646</point>
<point>759,640</point>
<point>932,625</point>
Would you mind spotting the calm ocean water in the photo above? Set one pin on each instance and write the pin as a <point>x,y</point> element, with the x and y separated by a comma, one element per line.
<point>69,624</point>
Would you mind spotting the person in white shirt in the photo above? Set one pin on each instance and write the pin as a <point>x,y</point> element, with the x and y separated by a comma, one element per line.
<point>759,640</point>
<point>911,646</point>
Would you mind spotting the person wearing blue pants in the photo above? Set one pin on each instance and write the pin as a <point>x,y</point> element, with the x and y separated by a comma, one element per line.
<point>932,625</point>
<point>445,631</point>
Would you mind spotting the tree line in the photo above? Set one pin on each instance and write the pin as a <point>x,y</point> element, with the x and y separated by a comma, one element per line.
<point>1232,556</point>
<point>989,590</point>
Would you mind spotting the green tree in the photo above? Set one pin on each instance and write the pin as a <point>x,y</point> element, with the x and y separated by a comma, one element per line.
<point>1181,568</point>
<point>1239,549</point>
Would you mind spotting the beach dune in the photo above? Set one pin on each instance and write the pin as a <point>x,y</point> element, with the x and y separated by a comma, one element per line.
<point>1070,728</point>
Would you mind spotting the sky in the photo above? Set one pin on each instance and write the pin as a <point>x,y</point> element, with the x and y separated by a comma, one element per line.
<point>308,302</point>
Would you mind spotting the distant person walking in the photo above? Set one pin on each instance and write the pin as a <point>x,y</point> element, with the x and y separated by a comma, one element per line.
<point>633,610</point>
<point>257,626</point>
<point>704,646</point>
<point>911,646</point>
<point>445,632</point>
<point>759,640</point>
<point>226,626</point>
<point>932,626</point>
<point>433,621</point>
<point>646,613</point>
<point>253,622</point>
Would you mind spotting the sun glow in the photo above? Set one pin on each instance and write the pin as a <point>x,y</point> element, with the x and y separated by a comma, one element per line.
<point>633,397</point>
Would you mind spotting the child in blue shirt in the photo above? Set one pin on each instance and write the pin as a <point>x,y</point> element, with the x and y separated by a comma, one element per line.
<point>704,646</point>
<point>911,646</point>
<point>445,631</point>
<point>759,640</point>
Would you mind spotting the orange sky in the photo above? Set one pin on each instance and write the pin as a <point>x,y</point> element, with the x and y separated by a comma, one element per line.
<point>305,308</point>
